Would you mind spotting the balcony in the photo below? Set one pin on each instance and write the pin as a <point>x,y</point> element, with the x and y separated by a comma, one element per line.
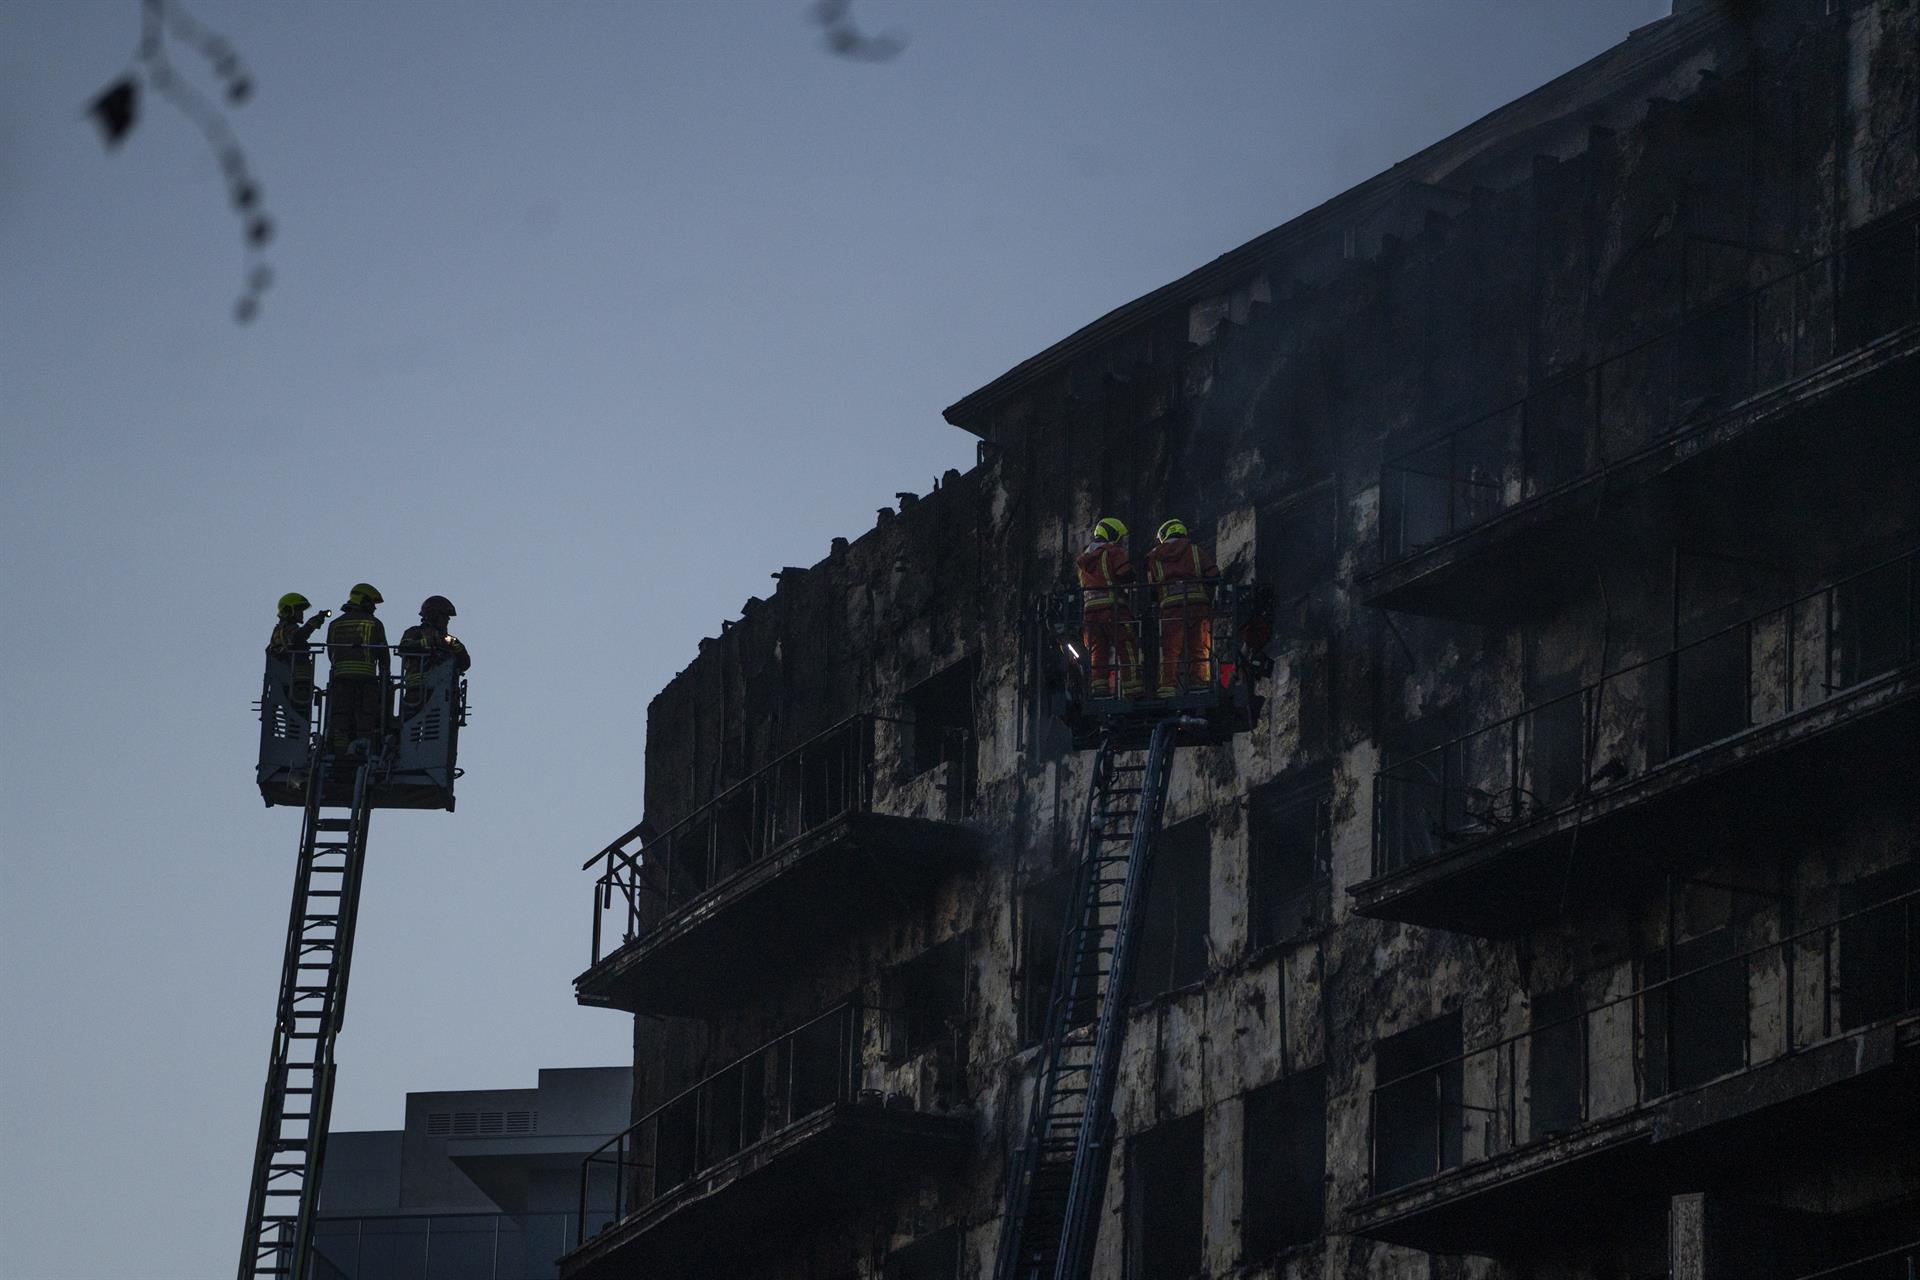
<point>769,872</point>
<point>1763,396</point>
<point>785,1135</point>
<point>1587,795</point>
<point>1802,1049</point>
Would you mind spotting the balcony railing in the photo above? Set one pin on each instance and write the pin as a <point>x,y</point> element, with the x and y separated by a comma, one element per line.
<point>826,778</point>
<point>1560,752</point>
<point>756,1097</point>
<point>1576,424</point>
<point>1667,1035</point>
<point>1128,655</point>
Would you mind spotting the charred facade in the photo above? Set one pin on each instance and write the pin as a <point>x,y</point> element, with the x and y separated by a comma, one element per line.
<point>1557,917</point>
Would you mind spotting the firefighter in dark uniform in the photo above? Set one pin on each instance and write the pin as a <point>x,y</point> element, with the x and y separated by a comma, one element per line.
<point>358,670</point>
<point>289,643</point>
<point>426,646</point>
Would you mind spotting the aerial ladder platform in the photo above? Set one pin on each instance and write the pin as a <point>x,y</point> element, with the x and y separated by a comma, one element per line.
<point>1058,1174</point>
<point>411,767</point>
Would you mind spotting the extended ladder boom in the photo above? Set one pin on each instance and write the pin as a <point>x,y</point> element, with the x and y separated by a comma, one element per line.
<point>1059,1172</point>
<point>291,1146</point>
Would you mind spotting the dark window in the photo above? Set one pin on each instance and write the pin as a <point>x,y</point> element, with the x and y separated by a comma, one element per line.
<point>1043,909</point>
<point>1165,1174</point>
<point>1880,281</point>
<point>1297,548</point>
<point>1696,1026</point>
<point>819,1064</point>
<point>942,732</point>
<point>675,1138</point>
<point>1285,1165</point>
<point>1291,860</point>
<point>1421,802</point>
<point>1879,967</point>
<point>1709,689</point>
<point>932,1257</point>
<point>1172,941</point>
<point>1553,737</point>
<point>1873,626</point>
<point>1416,1100</point>
<point>1557,1062</point>
<point>928,997</point>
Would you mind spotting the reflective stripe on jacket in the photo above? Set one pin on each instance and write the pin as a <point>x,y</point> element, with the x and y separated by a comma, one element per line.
<point>355,645</point>
<point>1102,566</point>
<point>1175,567</point>
<point>289,636</point>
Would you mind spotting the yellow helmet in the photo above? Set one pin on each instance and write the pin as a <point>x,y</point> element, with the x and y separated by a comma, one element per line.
<point>294,600</point>
<point>363,594</point>
<point>1172,529</point>
<point>1109,530</point>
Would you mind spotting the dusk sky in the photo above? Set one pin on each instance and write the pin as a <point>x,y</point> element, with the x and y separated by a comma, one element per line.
<point>588,316</point>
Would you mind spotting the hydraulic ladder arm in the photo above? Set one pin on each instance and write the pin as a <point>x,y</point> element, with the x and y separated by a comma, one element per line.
<point>291,1147</point>
<point>1059,1172</point>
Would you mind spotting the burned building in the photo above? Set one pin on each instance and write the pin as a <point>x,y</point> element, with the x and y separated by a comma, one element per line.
<point>1556,916</point>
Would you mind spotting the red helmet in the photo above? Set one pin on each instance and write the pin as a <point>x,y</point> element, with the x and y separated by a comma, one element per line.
<point>437,606</point>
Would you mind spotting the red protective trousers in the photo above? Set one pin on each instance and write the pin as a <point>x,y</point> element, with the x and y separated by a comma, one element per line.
<point>1186,646</point>
<point>1113,650</point>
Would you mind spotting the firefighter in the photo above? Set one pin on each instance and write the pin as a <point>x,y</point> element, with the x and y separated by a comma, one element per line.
<point>424,647</point>
<point>1113,646</point>
<point>359,668</point>
<point>1179,570</point>
<point>289,641</point>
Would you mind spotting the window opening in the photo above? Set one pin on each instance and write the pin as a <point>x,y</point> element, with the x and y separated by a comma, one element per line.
<point>1557,1062</point>
<point>942,730</point>
<point>1165,1174</point>
<point>1696,1027</point>
<point>1879,964</point>
<point>928,998</point>
<point>1297,548</point>
<point>1172,940</point>
<point>1284,1183</point>
<point>1417,1103</point>
<point>1290,851</point>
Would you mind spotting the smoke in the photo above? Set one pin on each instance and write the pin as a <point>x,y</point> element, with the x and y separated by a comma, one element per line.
<point>845,40</point>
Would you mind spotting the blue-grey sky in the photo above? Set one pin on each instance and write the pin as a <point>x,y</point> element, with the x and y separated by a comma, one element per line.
<point>588,316</point>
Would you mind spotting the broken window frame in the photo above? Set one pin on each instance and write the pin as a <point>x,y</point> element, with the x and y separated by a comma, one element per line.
<point>1272,899</point>
<point>926,998</point>
<point>955,748</point>
<point>1419,1093</point>
<point>1180,929</point>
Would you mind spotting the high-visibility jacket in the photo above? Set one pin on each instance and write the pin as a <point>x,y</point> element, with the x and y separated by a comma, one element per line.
<point>288,636</point>
<point>421,647</point>
<point>1175,568</point>
<point>356,644</point>
<point>1102,567</point>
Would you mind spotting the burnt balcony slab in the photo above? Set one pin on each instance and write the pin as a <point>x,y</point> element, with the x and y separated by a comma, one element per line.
<point>1858,1089</point>
<point>1620,839</point>
<point>1840,433</point>
<point>764,1197</point>
<point>718,949</point>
